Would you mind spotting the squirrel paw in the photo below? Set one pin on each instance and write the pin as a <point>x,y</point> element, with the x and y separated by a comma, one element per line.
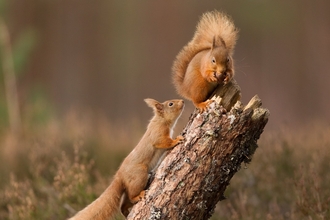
<point>138,197</point>
<point>203,106</point>
<point>227,78</point>
<point>223,77</point>
<point>142,194</point>
<point>213,77</point>
<point>180,138</point>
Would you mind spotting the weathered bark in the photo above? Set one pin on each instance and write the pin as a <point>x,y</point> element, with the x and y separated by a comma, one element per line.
<point>230,93</point>
<point>194,175</point>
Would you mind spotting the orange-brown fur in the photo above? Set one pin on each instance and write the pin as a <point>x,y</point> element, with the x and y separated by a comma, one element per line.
<point>206,60</point>
<point>132,176</point>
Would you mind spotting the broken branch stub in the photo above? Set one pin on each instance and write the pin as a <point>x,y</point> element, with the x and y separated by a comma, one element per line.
<point>229,93</point>
<point>194,175</point>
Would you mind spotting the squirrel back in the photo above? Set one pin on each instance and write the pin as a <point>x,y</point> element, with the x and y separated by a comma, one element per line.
<point>208,56</point>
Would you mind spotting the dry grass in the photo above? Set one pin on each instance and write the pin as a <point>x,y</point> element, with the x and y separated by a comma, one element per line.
<point>287,179</point>
<point>57,167</point>
<point>53,169</point>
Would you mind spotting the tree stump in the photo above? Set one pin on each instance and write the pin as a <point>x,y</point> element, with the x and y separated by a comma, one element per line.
<point>194,175</point>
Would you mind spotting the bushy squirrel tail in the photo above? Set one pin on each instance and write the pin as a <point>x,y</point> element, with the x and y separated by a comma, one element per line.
<point>104,207</point>
<point>212,25</point>
<point>215,25</point>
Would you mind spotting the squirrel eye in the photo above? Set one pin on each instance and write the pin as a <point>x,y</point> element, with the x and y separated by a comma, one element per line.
<point>227,60</point>
<point>170,104</point>
<point>213,60</point>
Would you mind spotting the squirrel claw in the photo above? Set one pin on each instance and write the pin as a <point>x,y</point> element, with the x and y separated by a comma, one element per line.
<point>227,78</point>
<point>213,77</point>
<point>180,138</point>
<point>203,106</point>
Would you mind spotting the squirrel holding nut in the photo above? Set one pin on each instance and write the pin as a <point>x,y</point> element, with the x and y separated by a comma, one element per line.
<point>131,178</point>
<point>206,61</point>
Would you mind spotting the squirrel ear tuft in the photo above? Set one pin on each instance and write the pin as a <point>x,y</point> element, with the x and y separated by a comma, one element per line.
<point>150,102</point>
<point>154,104</point>
<point>213,43</point>
<point>223,42</point>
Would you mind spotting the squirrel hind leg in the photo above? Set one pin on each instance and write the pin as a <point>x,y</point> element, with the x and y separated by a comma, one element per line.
<point>128,203</point>
<point>138,197</point>
<point>203,106</point>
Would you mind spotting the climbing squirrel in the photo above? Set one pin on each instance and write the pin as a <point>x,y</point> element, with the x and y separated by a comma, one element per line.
<point>131,178</point>
<point>206,61</point>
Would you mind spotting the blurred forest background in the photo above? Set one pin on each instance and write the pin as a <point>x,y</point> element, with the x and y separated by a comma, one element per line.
<point>73,76</point>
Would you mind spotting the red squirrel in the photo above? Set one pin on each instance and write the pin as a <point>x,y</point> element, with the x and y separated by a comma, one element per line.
<point>131,178</point>
<point>206,61</point>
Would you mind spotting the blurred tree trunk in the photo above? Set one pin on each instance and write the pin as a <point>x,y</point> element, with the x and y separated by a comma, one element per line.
<point>9,79</point>
<point>194,175</point>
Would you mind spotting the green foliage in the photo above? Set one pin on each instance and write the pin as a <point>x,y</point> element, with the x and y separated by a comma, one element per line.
<point>19,55</point>
<point>3,112</point>
<point>3,5</point>
<point>38,110</point>
<point>22,49</point>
